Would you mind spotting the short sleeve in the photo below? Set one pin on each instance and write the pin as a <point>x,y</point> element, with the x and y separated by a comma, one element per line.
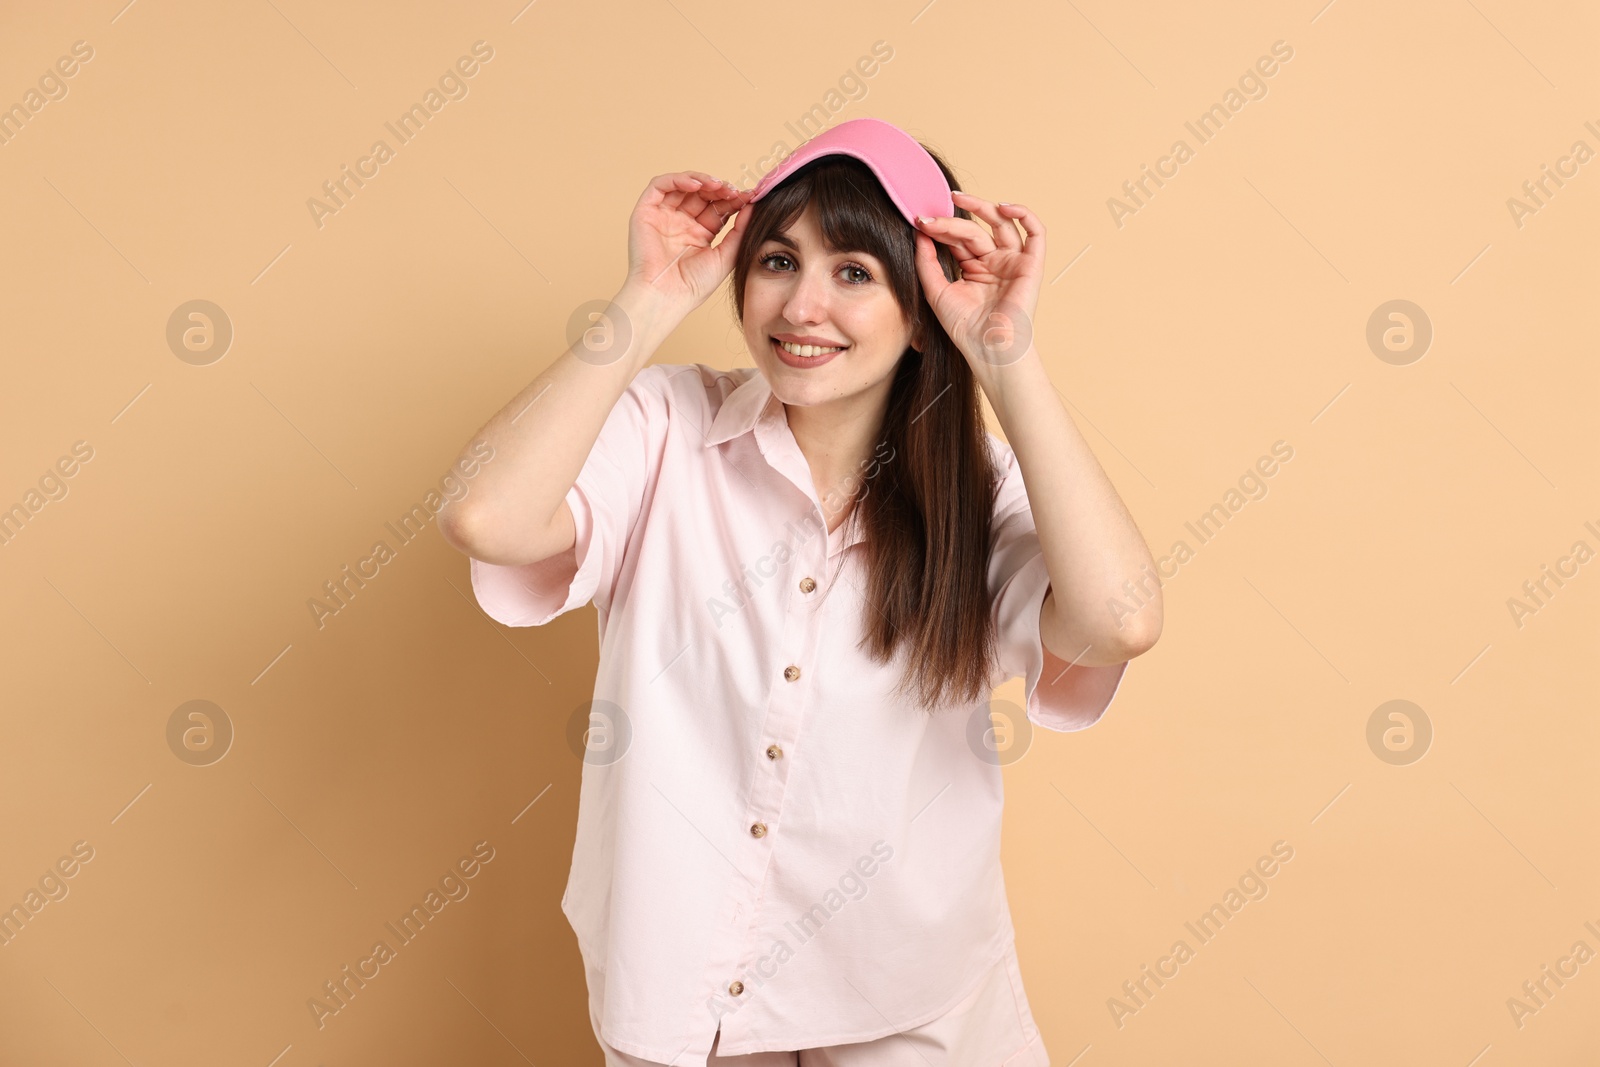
<point>607,499</point>
<point>1060,696</point>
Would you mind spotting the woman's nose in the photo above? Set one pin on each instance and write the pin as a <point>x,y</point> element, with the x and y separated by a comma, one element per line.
<point>808,299</point>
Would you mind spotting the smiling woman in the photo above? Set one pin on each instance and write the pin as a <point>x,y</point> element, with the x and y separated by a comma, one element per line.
<point>830,706</point>
<point>828,264</point>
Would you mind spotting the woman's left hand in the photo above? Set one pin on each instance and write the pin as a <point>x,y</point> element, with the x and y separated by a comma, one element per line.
<point>989,312</point>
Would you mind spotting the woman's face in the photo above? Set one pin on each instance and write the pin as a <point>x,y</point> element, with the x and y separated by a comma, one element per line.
<point>798,291</point>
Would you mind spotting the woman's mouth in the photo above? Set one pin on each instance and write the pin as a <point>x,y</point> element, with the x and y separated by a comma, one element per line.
<point>804,356</point>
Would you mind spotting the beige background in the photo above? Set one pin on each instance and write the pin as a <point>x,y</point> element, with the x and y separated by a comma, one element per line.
<point>1228,312</point>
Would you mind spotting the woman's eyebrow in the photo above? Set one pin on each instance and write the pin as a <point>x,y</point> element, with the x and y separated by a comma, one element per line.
<point>782,238</point>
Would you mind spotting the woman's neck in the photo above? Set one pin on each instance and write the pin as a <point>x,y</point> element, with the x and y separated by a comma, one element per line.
<point>837,440</point>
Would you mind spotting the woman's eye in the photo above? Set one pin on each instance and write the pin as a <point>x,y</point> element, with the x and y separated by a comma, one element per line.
<point>865,274</point>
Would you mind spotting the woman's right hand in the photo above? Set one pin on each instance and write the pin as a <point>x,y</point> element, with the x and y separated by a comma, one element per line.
<point>670,233</point>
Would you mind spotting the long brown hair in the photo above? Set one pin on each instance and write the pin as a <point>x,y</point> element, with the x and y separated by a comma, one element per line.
<point>926,513</point>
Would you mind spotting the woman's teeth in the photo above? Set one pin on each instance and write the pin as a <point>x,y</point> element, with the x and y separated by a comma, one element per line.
<point>808,350</point>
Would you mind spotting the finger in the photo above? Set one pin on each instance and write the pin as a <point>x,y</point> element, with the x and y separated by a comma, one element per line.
<point>668,189</point>
<point>682,181</point>
<point>711,187</point>
<point>679,184</point>
<point>720,205</point>
<point>1005,229</point>
<point>966,238</point>
<point>705,198</point>
<point>1032,225</point>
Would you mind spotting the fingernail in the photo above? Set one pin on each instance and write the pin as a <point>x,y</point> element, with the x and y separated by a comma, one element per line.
<point>924,219</point>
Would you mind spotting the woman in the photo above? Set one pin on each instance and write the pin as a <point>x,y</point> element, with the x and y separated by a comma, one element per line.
<point>808,576</point>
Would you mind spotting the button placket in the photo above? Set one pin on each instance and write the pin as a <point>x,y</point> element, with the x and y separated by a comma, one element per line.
<point>807,584</point>
<point>790,695</point>
<point>785,710</point>
<point>800,623</point>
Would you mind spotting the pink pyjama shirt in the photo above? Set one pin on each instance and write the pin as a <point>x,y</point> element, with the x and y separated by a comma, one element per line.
<point>768,838</point>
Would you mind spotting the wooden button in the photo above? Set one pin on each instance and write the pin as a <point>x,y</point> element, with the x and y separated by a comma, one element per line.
<point>807,584</point>
<point>791,672</point>
<point>773,751</point>
<point>736,987</point>
<point>758,829</point>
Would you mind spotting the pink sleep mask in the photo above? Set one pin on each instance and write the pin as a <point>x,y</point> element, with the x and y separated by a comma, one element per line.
<point>908,174</point>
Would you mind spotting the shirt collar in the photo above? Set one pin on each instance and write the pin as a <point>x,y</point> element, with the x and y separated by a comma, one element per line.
<point>750,404</point>
<point>741,409</point>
